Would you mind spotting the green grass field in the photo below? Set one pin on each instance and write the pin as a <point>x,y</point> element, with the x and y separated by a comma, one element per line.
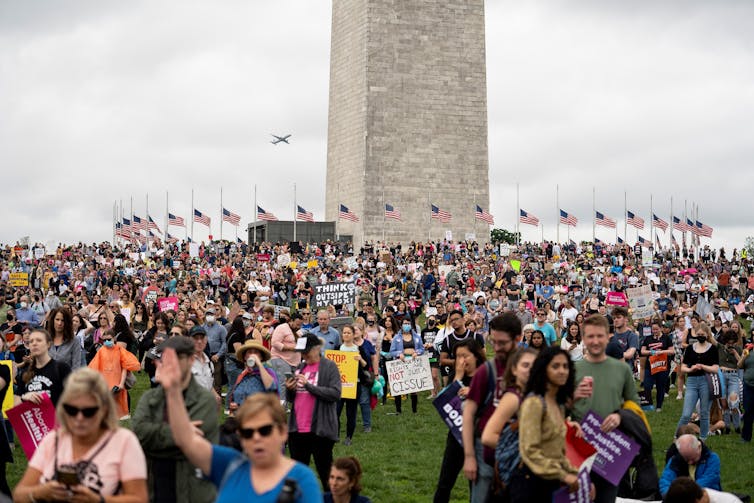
<point>402,454</point>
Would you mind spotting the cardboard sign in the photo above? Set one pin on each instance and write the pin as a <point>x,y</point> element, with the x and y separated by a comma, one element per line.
<point>448,405</point>
<point>168,304</point>
<point>348,366</point>
<point>334,294</point>
<point>615,450</point>
<point>19,279</point>
<point>409,376</point>
<point>616,299</point>
<point>32,422</point>
<point>641,302</point>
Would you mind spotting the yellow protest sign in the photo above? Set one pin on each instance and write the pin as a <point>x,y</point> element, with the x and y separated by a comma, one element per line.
<point>312,264</point>
<point>348,365</point>
<point>8,402</point>
<point>516,265</point>
<point>19,279</point>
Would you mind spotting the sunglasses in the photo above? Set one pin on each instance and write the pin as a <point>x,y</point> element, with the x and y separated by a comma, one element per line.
<point>264,431</point>
<point>74,411</point>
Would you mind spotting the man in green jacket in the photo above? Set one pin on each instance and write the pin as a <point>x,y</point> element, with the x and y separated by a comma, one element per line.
<point>171,477</point>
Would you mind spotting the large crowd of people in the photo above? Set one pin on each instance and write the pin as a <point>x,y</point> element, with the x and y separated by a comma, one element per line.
<point>231,337</point>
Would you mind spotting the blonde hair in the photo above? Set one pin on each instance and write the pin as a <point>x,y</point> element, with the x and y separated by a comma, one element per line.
<point>262,402</point>
<point>85,381</point>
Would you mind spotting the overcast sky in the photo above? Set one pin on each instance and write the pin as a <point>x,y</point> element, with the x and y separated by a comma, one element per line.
<point>104,101</point>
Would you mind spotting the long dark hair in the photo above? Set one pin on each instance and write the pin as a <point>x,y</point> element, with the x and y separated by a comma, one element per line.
<point>120,327</point>
<point>474,348</point>
<point>67,323</point>
<point>237,328</point>
<point>538,376</point>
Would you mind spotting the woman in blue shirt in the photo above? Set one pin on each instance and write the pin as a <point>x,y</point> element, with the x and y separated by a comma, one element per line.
<point>262,472</point>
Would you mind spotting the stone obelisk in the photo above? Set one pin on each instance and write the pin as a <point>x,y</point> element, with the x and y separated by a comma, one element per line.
<point>407,121</point>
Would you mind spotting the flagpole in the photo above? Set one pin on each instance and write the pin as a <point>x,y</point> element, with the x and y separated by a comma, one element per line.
<point>147,222</point>
<point>337,215</point>
<point>625,217</point>
<point>651,218</point>
<point>295,211</point>
<point>192,215</point>
<point>384,217</point>
<point>474,217</point>
<point>557,213</point>
<point>255,213</point>
<point>671,225</point>
<point>518,216</point>
<point>132,216</point>
<point>429,224</point>
<point>167,210</point>
<point>685,218</point>
<point>594,214</point>
<point>542,227</point>
<point>115,210</point>
<point>221,213</point>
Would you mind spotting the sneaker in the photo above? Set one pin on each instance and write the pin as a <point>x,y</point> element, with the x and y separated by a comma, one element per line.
<point>658,410</point>
<point>679,397</point>
<point>367,429</point>
<point>347,441</point>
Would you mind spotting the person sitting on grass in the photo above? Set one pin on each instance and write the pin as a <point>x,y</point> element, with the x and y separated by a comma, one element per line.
<point>694,459</point>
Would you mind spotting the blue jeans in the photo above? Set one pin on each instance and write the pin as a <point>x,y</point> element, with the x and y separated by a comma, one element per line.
<point>232,371</point>
<point>484,473</point>
<point>696,390</point>
<point>731,383</point>
<point>365,398</point>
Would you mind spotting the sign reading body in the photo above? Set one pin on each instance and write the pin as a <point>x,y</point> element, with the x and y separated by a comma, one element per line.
<point>347,362</point>
<point>334,294</point>
<point>409,376</point>
<point>448,405</point>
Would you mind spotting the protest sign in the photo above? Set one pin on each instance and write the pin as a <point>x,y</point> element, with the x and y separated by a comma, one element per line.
<point>150,293</point>
<point>31,422</point>
<point>616,299</point>
<point>448,405</point>
<point>176,264</point>
<point>284,259</point>
<point>263,257</point>
<point>351,263</point>
<point>581,495</point>
<point>640,302</point>
<point>409,376</point>
<point>39,253</point>
<point>505,250</point>
<point>167,304</point>
<point>615,450</point>
<point>194,250</point>
<point>516,265</point>
<point>334,294</point>
<point>470,236</point>
<point>19,279</point>
<point>448,235</point>
<point>679,287</point>
<point>311,264</point>
<point>9,397</point>
<point>348,366</point>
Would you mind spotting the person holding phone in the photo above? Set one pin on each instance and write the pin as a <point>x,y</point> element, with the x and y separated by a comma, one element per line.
<point>89,457</point>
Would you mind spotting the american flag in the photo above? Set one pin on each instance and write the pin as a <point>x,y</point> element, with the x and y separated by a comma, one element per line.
<point>239,241</point>
<point>690,226</point>
<point>152,225</point>
<point>176,221</point>
<point>604,221</point>
<point>170,239</point>
<point>632,219</point>
<point>482,215</point>
<point>597,241</point>
<point>263,215</point>
<point>347,214</point>
<point>643,241</point>
<point>679,225</point>
<point>230,217</point>
<point>657,241</point>
<point>672,239</point>
<point>391,212</point>
<point>127,226</point>
<point>139,224</point>
<point>201,218</point>
<point>567,219</point>
<point>303,215</point>
<point>527,218</point>
<point>703,230</point>
<point>441,215</point>
<point>620,240</point>
<point>659,222</point>
<point>121,232</point>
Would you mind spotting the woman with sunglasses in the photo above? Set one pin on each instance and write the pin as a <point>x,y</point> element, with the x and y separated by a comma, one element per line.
<point>42,374</point>
<point>114,362</point>
<point>262,472</point>
<point>89,457</point>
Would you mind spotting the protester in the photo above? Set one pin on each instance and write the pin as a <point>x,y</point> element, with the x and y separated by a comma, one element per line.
<point>657,348</point>
<point>699,359</point>
<point>313,392</point>
<point>729,353</point>
<point>256,376</point>
<point>201,368</point>
<point>114,362</point>
<point>6,441</point>
<point>693,459</point>
<point>43,374</point>
<point>104,460</point>
<point>262,472</point>
<point>172,477</point>
<point>407,344</point>
<point>345,482</point>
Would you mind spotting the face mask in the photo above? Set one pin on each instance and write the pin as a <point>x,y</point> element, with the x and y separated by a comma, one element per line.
<point>251,362</point>
<point>259,318</point>
<point>210,319</point>
<point>406,328</point>
<point>370,322</point>
<point>109,343</point>
<point>23,305</point>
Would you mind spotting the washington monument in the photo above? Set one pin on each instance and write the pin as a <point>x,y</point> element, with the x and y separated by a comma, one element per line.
<point>408,118</point>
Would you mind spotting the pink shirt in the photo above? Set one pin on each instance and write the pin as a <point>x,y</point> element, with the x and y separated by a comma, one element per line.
<point>283,335</point>
<point>120,460</point>
<point>304,402</point>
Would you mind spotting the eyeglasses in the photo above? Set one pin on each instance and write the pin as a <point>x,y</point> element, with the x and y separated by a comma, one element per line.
<point>74,411</point>
<point>264,431</point>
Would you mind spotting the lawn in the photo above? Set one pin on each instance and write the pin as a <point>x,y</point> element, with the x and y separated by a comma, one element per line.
<point>402,454</point>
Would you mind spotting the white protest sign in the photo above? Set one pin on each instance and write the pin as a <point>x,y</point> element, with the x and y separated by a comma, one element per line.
<point>640,302</point>
<point>470,236</point>
<point>193,250</point>
<point>646,260</point>
<point>284,259</point>
<point>505,250</point>
<point>409,376</point>
<point>334,294</point>
<point>39,253</point>
<point>448,236</point>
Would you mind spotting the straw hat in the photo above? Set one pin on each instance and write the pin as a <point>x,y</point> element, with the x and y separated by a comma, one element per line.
<point>252,344</point>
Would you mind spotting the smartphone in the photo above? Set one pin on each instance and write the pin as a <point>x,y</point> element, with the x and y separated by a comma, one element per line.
<point>69,478</point>
<point>288,375</point>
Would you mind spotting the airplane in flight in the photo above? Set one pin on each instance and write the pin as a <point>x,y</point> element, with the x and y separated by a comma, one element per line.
<point>278,139</point>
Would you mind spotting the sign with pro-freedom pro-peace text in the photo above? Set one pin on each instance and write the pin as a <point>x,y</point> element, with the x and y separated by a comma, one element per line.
<point>334,294</point>
<point>409,376</point>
